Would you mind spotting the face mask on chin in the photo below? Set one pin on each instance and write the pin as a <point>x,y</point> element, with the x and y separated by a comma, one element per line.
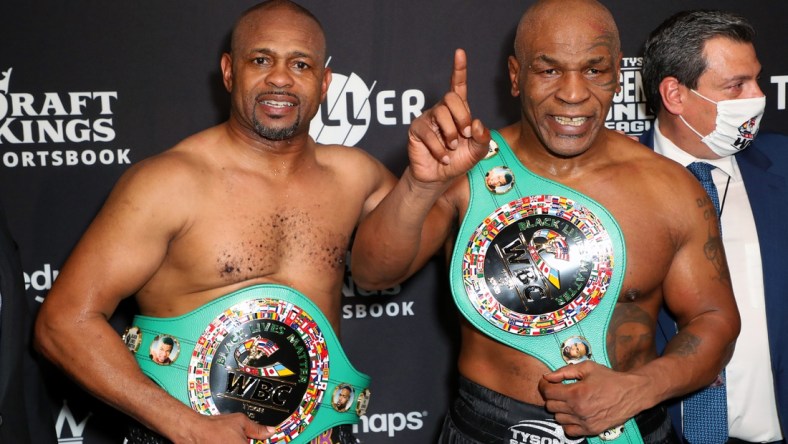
<point>736,127</point>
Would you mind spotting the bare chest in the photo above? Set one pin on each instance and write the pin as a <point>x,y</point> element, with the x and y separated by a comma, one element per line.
<point>284,243</point>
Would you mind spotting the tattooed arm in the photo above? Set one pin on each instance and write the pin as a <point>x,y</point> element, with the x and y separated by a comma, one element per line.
<point>677,260</point>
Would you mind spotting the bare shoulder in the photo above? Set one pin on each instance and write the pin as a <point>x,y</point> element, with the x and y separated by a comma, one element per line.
<point>338,155</point>
<point>660,174</point>
<point>172,172</point>
<point>162,189</point>
<point>655,186</point>
<point>355,166</point>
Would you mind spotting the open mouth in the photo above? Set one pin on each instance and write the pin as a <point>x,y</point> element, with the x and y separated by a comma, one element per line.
<point>277,103</point>
<point>570,121</point>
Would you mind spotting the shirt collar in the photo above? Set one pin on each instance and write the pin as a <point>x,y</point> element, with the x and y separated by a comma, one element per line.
<point>663,146</point>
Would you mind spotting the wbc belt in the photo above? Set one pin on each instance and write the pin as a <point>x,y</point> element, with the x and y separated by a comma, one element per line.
<point>266,351</point>
<point>533,263</point>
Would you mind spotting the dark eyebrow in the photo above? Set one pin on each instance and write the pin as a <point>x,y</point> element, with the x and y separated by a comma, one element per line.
<point>549,60</point>
<point>294,54</point>
<point>743,77</point>
<point>597,60</point>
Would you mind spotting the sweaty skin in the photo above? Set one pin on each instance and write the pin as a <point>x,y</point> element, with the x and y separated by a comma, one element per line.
<point>564,73</point>
<point>253,200</point>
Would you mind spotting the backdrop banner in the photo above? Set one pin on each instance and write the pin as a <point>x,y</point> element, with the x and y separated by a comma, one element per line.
<point>88,88</point>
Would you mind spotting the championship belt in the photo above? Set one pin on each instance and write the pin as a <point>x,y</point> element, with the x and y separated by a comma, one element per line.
<point>532,264</point>
<point>263,351</point>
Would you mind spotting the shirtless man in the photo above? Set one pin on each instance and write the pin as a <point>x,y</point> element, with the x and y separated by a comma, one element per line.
<point>251,201</point>
<point>564,72</point>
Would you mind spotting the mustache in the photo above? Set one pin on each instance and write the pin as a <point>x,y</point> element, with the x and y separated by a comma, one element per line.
<point>260,96</point>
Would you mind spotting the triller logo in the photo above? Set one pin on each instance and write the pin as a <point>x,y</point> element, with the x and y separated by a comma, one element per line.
<point>347,112</point>
<point>56,118</point>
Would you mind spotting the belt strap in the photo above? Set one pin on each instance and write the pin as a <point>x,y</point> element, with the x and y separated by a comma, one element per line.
<point>266,351</point>
<point>532,264</point>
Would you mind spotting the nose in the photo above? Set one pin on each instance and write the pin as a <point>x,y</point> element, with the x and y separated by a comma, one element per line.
<point>756,90</point>
<point>572,88</point>
<point>280,76</point>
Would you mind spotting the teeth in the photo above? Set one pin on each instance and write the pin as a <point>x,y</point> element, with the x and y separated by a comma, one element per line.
<point>276,103</point>
<point>574,121</point>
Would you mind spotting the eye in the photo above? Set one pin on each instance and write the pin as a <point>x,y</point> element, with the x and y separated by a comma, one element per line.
<point>260,60</point>
<point>299,65</point>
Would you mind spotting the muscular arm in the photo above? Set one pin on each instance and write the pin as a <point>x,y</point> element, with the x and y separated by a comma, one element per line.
<point>400,235</point>
<point>413,221</point>
<point>119,252</point>
<point>696,288</point>
<point>698,292</point>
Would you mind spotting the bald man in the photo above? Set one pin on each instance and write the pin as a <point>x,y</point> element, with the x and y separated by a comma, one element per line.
<point>222,260</point>
<point>593,236</point>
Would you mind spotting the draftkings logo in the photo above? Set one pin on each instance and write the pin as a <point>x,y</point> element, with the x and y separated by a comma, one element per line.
<point>56,118</point>
<point>629,112</point>
<point>351,106</point>
<point>69,430</point>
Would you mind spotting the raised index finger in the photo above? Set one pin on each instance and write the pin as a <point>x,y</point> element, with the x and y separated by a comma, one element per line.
<point>459,75</point>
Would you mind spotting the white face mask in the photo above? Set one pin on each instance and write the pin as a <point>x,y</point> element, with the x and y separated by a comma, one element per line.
<point>737,124</point>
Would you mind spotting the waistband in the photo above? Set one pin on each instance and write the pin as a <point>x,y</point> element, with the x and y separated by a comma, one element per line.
<point>491,417</point>
<point>266,351</point>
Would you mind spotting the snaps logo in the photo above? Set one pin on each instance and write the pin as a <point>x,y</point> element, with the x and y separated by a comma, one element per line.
<point>57,118</point>
<point>351,105</point>
<point>390,423</point>
<point>629,112</point>
<point>75,429</point>
<point>539,432</point>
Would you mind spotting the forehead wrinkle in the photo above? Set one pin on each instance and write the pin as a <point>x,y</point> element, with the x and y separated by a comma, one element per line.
<point>546,16</point>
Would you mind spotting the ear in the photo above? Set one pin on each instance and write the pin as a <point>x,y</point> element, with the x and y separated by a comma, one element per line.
<point>326,83</point>
<point>672,93</point>
<point>618,72</point>
<point>514,75</point>
<point>227,71</point>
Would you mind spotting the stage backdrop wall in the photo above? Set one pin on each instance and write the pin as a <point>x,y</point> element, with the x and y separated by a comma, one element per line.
<point>89,87</point>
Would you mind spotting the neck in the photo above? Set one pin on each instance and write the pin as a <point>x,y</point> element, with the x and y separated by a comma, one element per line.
<point>540,159</point>
<point>279,156</point>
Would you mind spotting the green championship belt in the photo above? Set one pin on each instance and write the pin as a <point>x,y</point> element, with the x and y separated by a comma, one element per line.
<point>532,264</point>
<point>266,351</point>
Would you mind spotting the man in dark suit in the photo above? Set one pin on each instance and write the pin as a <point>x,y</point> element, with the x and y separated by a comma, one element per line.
<point>700,73</point>
<point>25,417</point>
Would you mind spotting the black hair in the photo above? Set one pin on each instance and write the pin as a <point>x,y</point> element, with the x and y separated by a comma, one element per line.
<point>675,48</point>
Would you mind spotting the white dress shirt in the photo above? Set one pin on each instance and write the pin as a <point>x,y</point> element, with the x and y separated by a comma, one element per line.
<point>752,409</point>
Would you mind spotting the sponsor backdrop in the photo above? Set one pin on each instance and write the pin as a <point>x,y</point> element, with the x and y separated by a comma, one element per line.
<point>87,88</point>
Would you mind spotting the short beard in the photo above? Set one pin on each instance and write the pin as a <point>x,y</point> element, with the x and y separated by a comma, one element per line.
<point>275,134</point>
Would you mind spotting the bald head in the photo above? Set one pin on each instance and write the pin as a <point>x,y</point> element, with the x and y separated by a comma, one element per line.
<point>250,20</point>
<point>556,15</point>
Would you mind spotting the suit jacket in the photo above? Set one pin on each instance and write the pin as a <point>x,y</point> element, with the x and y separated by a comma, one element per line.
<point>764,169</point>
<point>25,414</point>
